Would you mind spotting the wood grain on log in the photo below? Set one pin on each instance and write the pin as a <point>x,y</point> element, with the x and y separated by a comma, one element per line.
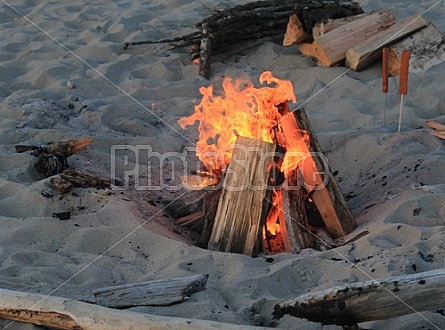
<point>426,46</point>
<point>245,199</point>
<point>162,292</point>
<point>370,300</point>
<point>370,51</point>
<point>330,49</point>
<point>326,26</point>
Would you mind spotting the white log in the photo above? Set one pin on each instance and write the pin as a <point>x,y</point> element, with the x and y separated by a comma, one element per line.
<point>67,314</point>
<point>370,51</point>
<point>354,303</point>
<point>162,292</point>
<point>427,49</point>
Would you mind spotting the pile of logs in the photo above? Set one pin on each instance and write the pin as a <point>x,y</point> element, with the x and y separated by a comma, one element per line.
<point>357,41</point>
<point>332,31</point>
<point>231,29</point>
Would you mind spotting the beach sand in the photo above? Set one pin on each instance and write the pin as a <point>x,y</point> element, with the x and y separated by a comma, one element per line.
<point>64,75</point>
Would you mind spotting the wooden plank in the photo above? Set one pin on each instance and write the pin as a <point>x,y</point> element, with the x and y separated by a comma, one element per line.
<point>330,49</point>
<point>371,300</point>
<point>427,49</point>
<point>245,198</point>
<point>307,13</point>
<point>67,314</point>
<point>369,51</point>
<point>162,292</point>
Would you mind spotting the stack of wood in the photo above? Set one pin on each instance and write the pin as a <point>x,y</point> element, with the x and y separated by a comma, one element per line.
<point>313,210</point>
<point>232,29</point>
<point>357,41</point>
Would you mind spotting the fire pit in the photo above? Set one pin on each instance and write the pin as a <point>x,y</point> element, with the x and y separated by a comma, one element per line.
<point>272,188</point>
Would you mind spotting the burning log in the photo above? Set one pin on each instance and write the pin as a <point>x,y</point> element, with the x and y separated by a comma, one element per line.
<point>426,46</point>
<point>306,14</point>
<point>329,200</point>
<point>353,303</point>
<point>330,48</point>
<point>370,51</point>
<point>275,207</point>
<point>245,200</point>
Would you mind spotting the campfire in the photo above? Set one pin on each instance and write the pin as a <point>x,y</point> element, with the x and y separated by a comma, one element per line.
<point>266,170</point>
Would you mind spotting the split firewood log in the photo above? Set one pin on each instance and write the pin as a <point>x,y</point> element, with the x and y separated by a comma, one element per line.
<point>436,129</point>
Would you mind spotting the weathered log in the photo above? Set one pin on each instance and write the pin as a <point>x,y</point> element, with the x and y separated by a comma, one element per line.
<point>426,46</point>
<point>52,158</point>
<point>245,199</point>
<point>162,292</point>
<point>370,51</point>
<point>307,13</point>
<point>66,314</point>
<point>330,49</point>
<point>329,199</point>
<point>84,178</point>
<point>371,300</point>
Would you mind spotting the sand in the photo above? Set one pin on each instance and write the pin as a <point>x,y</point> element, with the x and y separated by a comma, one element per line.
<point>64,75</point>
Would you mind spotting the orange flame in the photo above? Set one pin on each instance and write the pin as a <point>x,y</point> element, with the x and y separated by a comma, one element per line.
<point>242,110</point>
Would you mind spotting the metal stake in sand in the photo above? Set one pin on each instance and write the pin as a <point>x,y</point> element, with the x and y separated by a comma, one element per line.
<point>384,81</point>
<point>403,82</point>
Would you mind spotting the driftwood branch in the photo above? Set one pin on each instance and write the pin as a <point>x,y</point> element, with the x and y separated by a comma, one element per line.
<point>67,314</point>
<point>371,300</point>
<point>163,292</point>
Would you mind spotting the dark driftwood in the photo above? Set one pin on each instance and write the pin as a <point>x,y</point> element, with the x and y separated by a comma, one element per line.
<point>232,28</point>
<point>370,300</point>
<point>84,179</point>
<point>163,292</point>
<point>67,148</point>
<point>52,158</point>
